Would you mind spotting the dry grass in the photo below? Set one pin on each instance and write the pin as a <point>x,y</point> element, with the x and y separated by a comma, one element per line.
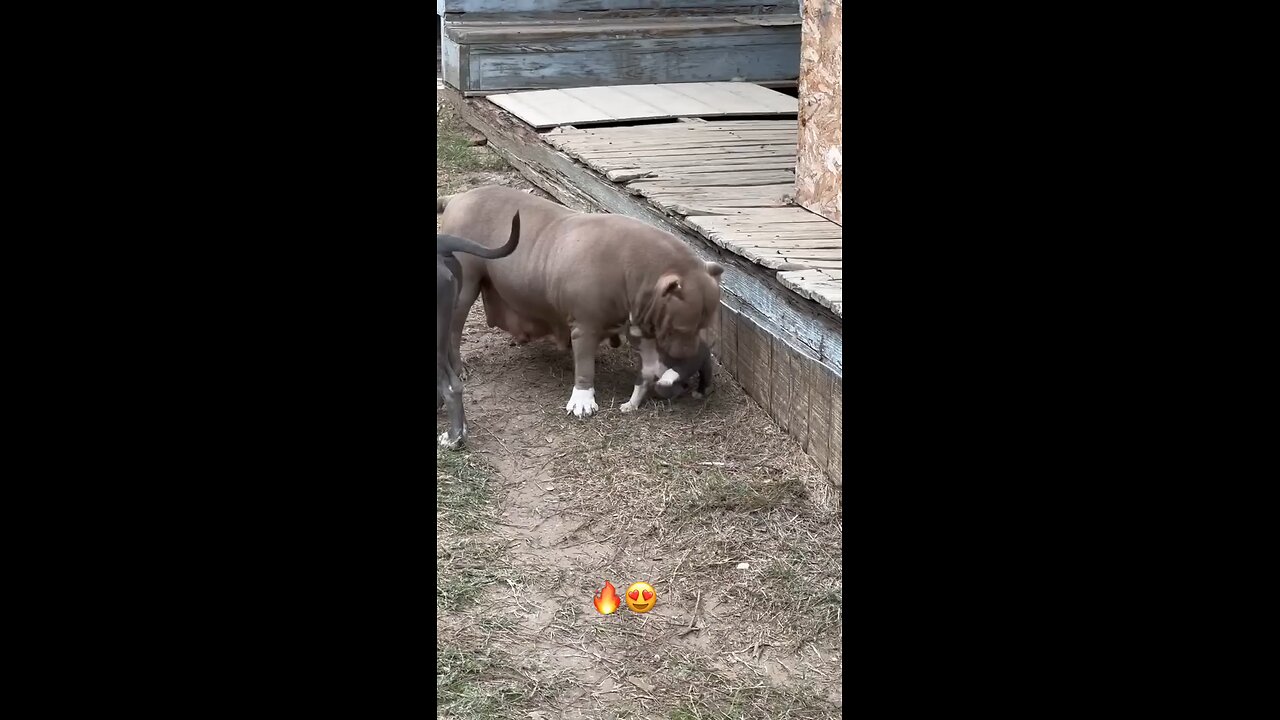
<point>456,156</point>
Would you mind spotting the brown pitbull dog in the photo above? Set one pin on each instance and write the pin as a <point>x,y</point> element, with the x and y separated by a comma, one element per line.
<point>581,279</point>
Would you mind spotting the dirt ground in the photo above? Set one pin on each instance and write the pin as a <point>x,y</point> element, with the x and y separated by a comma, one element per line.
<point>706,500</point>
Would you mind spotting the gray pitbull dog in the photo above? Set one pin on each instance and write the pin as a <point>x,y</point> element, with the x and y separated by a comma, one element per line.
<point>449,279</point>
<point>582,279</point>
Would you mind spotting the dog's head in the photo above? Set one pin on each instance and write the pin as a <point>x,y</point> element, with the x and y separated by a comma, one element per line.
<point>679,307</point>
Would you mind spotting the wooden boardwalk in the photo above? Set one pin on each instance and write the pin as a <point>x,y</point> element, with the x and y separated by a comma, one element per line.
<point>731,181</point>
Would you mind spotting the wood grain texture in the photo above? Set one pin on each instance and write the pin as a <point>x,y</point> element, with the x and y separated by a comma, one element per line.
<point>727,350</point>
<point>730,181</point>
<point>556,54</point>
<point>820,388</point>
<point>755,354</point>
<point>835,442</point>
<point>819,163</point>
<point>780,407</point>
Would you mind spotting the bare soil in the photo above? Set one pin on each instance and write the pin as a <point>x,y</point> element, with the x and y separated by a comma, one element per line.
<point>706,500</point>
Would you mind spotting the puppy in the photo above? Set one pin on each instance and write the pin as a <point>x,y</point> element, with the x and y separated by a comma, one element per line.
<point>679,375</point>
<point>670,378</point>
<point>448,283</point>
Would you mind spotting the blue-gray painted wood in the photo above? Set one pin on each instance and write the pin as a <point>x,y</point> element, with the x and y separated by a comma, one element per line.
<point>573,6</point>
<point>541,70</point>
<point>756,54</point>
<point>450,60</point>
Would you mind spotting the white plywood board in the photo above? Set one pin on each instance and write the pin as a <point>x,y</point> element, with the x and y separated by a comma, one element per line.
<point>621,103</point>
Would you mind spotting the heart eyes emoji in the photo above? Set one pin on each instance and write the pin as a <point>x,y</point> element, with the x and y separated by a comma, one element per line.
<point>641,597</point>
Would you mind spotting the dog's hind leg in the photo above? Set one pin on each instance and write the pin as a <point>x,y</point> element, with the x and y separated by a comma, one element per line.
<point>470,290</point>
<point>448,384</point>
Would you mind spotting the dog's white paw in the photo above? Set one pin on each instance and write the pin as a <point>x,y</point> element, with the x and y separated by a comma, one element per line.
<point>628,406</point>
<point>452,443</point>
<point>582,402</point>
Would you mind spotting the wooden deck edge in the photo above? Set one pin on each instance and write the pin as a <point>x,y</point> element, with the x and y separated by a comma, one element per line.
<point>785,351</point>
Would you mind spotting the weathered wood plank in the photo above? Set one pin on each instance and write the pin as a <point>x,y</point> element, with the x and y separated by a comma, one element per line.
<point>679,150</point>
<point>835,443</point>
<point>659,173</point>
<point>800,370</point>
<point>536,68</point>
<point>451,63</point>
<point>821,386</point>
<point>674,131</point>
<point>714,164</point>
<point>716,195</point>
<point>780,382</point>
<point>817,264</point>
<point>792,252</point>
<point>754,356</point>
<point>750,237</point>
<point>769,20</point>
<point>667,131</point>
<point>812,275</point>
<point>611,29</point>
<point>727,224</point>
<point>685,124</point>
<point>731,179</point>
<point>796,244</point>
<point>787,263</point>
<point>726,348</point>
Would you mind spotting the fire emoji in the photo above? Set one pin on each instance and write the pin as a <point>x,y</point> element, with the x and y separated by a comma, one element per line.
<point>607,600</point>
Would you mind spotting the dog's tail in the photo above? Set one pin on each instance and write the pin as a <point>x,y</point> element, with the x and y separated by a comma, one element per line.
<point>450,243</point>
<point>443,202</point>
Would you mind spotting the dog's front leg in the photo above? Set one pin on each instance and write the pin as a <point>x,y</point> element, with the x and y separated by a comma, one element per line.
<point>642,388</point>
<point>650,369</point>
<point>583,400</point>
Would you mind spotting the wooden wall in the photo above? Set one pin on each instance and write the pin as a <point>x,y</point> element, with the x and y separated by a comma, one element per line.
<point>802,395</point>
<point>819,170</point>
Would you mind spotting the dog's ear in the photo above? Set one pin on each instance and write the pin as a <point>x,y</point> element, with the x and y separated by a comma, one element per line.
<point>715,270</point>
<point>651,302</point>
<point>669,284</point>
